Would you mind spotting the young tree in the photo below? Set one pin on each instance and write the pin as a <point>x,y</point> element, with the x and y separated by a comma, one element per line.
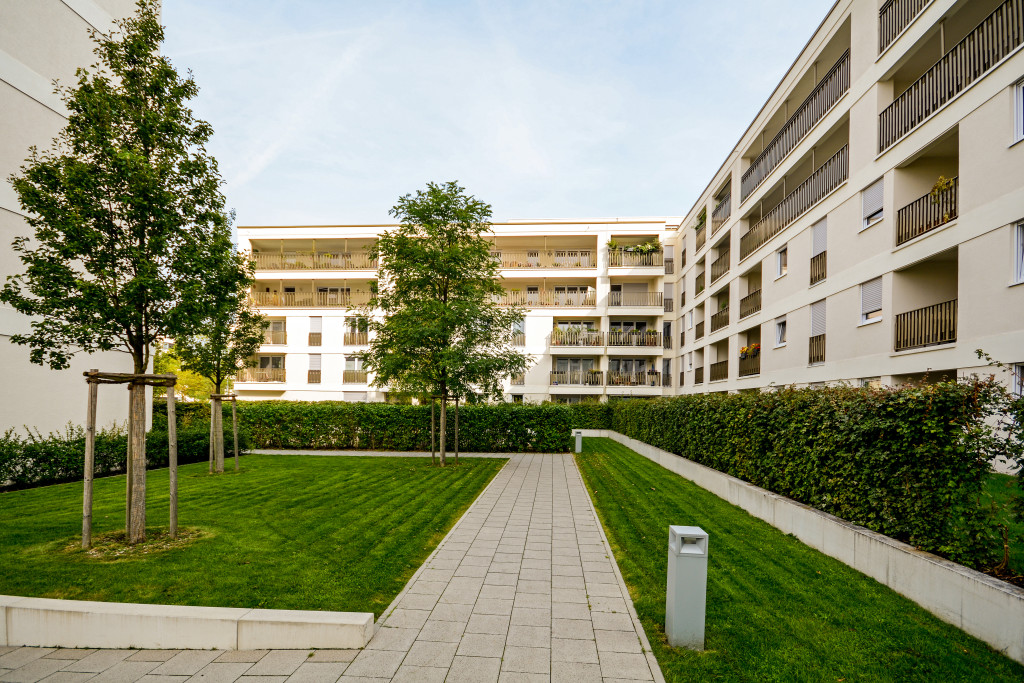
<point>190,385</point>
<point>128,218</point>
<point>442,331</point>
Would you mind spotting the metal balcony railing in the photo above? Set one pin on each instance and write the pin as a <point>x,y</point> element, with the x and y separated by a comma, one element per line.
<point>310,299</point>
<point>548,298</point>
<point>670,266</point>
<point>519,339</point>
<point>894,16</point>
<point>720,319</point>
<point>634,259</point>
<point>647,338</point>
<point>698,330</point>
<point>666,341</point>
<point>634,379</point>
<point>576,337</point>
<point>313,377</point>
<point>315,339</point>
<point>719,371</point>
<point>518,380</point>
<point>702,237</point>
<point>512,259</point>
<point>819,267</point>
<point>720,267</point>
<point>356,338</point>
<point>721,213</point>
<point>636,299</point>
<point>926,326</point>
<point>261,375</point>
<point>666,379</point>
<point>308,260</point>
<point>700,282</point>
<point>669,305</point>
<point>750,304</point>
<point>824,180</point>
<point>816,349</point>
<point>751,365</point>
<point>927,213</point>
<point>275,337</point>
<point>994,38</point>
<point>354,376</point>
<point>821,100</point>
<point>698,375</point>
<point>589,378</point>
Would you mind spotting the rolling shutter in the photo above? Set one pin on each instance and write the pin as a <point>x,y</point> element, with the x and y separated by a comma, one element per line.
<point>818,318</point>
<point>316,324</point>
<point>819,237</point>
<point>871,297</point>
<point>314,361</point>
<point>872,198</point>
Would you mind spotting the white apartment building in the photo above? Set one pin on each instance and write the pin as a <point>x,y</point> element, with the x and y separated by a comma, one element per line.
<point>867,228</point>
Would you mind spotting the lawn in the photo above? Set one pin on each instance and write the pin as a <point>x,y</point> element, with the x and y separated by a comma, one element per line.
<point>777,610</point>
<point>287,532</point>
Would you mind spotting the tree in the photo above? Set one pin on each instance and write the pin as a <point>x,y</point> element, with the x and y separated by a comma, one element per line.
<point>190,385</point>
<point>128,220</point>
<point>442,330</point>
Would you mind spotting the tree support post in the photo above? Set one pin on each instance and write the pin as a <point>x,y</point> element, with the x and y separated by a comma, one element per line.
<point>217,419</point>
<point>443,429</point>
<point>432,461</point>
<point>234,426</point>
<point>456,430</point>
<point>90,451</point>
<point>137,478</point>
<point>172,458</point>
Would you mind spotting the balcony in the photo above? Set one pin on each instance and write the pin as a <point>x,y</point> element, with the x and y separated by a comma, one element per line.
<point>750,304</point>
<point>931,211</point>
<point>310,299</point>
<point>831,88</point>
<point>824,180</point>
<point>518,339</point>
<point>994,38</point>
<point>633,338</point>
<point>518,379</point>
<point>894,16</point>
<point>666,379</point>
<point>315,339</point>
<point>702,237</point>
<point>926,326</point>
<point>666,341</point>
<point>275,337</point>
<point>816,350</point>
<point>548,298</point>
<point>513,259</point>
<point>698,375</point>
<point>719,371</point>
<point>634,379</point>
<point>698,330</point>
<point>313,377</point>
<point>699,283</point>
<point>819,267</point>
<point>356,338</point>
<point>584,378</point>
<point>261,375</point>
<point>721,213</point>
<point>353,376</point>
<point>751,365</point>
<point>634,259</point>
<point>300,260</point>
<point>576,337</point>
<point>720,319</point>
<point>670,266</point>
<point>720,267</point>
<point>636,299</point>
<point>669,305</point>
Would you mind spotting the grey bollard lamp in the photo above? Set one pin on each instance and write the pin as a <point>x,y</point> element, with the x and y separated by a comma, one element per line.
<point>579,440</point>
<point>686,595</point>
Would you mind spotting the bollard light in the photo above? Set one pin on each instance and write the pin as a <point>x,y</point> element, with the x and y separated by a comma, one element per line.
<point>579,440</point>
<point>686,595</point>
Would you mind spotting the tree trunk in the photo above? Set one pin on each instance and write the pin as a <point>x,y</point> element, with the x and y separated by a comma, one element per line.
<point>444,410</point>
<point>90,449</point>
<point>137,479</point>
<point>172,458</point>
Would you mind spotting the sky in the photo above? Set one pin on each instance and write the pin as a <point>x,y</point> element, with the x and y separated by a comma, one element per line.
<point>327,111</point>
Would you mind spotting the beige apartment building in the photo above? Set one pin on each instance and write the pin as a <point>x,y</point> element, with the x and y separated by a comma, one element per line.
<point>43,40</point>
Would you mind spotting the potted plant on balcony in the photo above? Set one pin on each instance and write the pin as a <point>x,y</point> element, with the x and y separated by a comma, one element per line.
<point>557,336</point>
<point>755,350</point>
<point>939,193</point>
<point>743,352</point>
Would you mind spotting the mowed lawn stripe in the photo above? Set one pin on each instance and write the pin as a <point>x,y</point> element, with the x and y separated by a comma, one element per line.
<point>287,532</point>
<point>777,609</point>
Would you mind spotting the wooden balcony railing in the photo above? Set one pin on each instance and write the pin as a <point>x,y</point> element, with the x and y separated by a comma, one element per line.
<point>648,339</point>
<point>275,337</point>
<point>927,213</point>
<point>666,379</point>
<point>548,298</point>
<point>310,299</point>
<point>576,337</point>
<point>301,260</point>
<point>750,304</point>
<point>313,377</point>
<point>636,299</point>
<point>894,16</point>
<point>698,330</point>
<point>670,266</point>
<point>588,378</point>
<point>512,259</point>
<point>994,38</point>
<point>821,100</point>
<point>700,282</point>
<point>719,371</point>
<point>702,237</point>
<point>926,326</point>
<point>353,376</point>
<point>720,267</point>
<point>826,178</point>
<point>621,257</point>
<point>633,379</point>
<point>720,319</point>
<point>315,339</point>
<point>356,338</point>
<point>261,375</point>
<point>518,339</point>
<point>819,267</point>
<point>816,349</point>
<point>669,304</point>
<point>518,379</point>
<point>751,365</point>
<point>721,213</point>
<point>698,375</point>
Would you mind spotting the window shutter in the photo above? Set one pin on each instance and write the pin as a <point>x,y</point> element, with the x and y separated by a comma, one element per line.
<point>818,318</point>
<point>314,361</point>
<point>871,296</point>
<point>819,237</point>
<point>872,198</point>
<point>1018,254</point>
<point>316,324</point>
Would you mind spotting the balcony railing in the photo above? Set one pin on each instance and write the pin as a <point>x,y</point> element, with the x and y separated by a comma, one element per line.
<point>666,379</point>
<point>721,213</point>
<point>518,379</point>
<point>926,326</point>
<point>720,319</point>
<point>702,237</point>
<point>826,178</point>
<point>636,299</point>
<point>545,258</point>
<point>669,304</point>
<point>620,338</point>
<point>821,100</point>
<point>577,337</point>
<point>816,349</point>
<point>315,339</point>
<point>518,339</point>
<point>633,259</point>
<point>998,35</point>
<point>356,338</point>
<point>819,267</point>
<point>698,375</point>
<point>261,375</point>
<point>698,330</point>
<point>720,267</point>
<point>353,376</point>
<point>670,266</point>
<point>666,341</point>
<point>633,379</point>
<point>750,304</point>
<point>588,378</point>
<point>751,365</point>
<point>700,282</point>
<point>313,377</point>
<point>719,371</point>
<point>547,297</point>
<point>301,260</point>
<point>275,337</point>
<point>894,16</point>
<point>310,299</point>
<point>927,213</point>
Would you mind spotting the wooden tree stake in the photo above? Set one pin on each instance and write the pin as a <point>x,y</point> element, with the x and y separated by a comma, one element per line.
<point>90,450</point>
<point>432,461</point>
<point>212,447</point>
<point>234,427</point>
<point>456,430</point>
<point>137,480</point>
<point>172,458</point>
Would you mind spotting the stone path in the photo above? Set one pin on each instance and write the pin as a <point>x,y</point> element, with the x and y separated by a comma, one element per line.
<point>524,588</point>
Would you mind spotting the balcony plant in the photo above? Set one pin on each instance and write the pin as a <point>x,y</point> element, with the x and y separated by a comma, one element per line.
<point>939,193</point>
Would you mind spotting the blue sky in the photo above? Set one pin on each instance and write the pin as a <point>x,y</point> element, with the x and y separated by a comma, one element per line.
<point>326,111</point>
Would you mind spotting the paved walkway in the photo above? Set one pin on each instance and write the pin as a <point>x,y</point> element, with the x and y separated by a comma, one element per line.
<point>524,588</point>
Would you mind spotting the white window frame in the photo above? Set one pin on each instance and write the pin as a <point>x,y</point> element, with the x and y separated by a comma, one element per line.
<point>780,327</point>
<point>1018,111</point>
<point>867,317</point>
<point>1017,380</point>
<point>781,261</point>
<point>1017,271</point>
<point>877,216</point>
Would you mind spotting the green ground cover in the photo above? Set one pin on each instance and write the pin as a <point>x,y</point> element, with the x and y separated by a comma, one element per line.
<point>999,490</point>
<point>287,532</point>
<point>777,610</point>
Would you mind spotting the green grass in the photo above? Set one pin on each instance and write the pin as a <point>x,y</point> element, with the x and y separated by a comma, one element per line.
<point>777,610</point>
<point>287,532</point>
<point>1000,489</point>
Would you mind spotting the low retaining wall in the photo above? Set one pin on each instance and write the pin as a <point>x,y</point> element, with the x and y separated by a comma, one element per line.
<point>43,622</point>
<point>983,606</point>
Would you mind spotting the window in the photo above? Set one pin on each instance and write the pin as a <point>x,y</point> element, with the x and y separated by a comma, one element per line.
<point>818,318</point>
<point>1018,111</point>
<point>314,368</point>
<point>872,199</point>
<point>819,237</point>
<point>517,398</point>
<point>316,328</point>
<point>666,367</point>
<point>689,361</point>
<point>1018,253</point>
<point>871,301</point>
<point>1018,379</point>
<point>780,331</point>
<point>871,382</point>
<point>689,320</point>
<point>782,261</point>
<point>271,362</point>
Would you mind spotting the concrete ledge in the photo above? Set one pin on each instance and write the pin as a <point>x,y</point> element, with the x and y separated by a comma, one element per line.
<point>42,622</point>
<point>983,606</point>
